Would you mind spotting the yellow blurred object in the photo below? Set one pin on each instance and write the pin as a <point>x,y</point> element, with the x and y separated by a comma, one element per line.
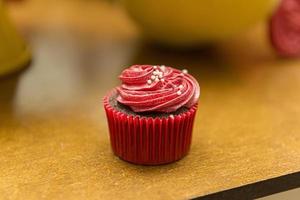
<point>190,22</point>
<point>14,54</point>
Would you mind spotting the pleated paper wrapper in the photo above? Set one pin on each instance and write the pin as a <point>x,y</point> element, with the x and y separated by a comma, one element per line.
<point>147,140</point>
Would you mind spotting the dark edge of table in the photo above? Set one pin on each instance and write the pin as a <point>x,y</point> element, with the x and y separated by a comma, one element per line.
<point>258,189</point>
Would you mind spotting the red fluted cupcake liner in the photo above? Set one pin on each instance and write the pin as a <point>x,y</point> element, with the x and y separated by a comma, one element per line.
<point>147,140</point>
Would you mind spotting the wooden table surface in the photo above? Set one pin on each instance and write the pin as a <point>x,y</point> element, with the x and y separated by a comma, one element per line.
<point>53,133</point>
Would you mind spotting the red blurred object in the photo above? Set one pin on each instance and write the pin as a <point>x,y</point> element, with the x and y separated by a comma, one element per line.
<point>147,140</point>
<point>285,28</point>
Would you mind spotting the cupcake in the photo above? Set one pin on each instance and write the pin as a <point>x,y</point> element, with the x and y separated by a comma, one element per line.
<point>150,116</point>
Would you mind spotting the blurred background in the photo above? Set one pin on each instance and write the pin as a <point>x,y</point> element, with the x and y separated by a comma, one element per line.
<point>73,43</point>
<point>58,59</point>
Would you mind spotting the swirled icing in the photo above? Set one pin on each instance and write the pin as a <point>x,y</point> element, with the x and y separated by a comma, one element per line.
<point>147,88</point>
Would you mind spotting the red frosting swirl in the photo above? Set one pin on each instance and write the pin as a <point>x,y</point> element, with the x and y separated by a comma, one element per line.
<point>147,88</point>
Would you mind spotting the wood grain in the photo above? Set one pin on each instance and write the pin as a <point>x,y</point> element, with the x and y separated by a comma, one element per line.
<point>53,132</point>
